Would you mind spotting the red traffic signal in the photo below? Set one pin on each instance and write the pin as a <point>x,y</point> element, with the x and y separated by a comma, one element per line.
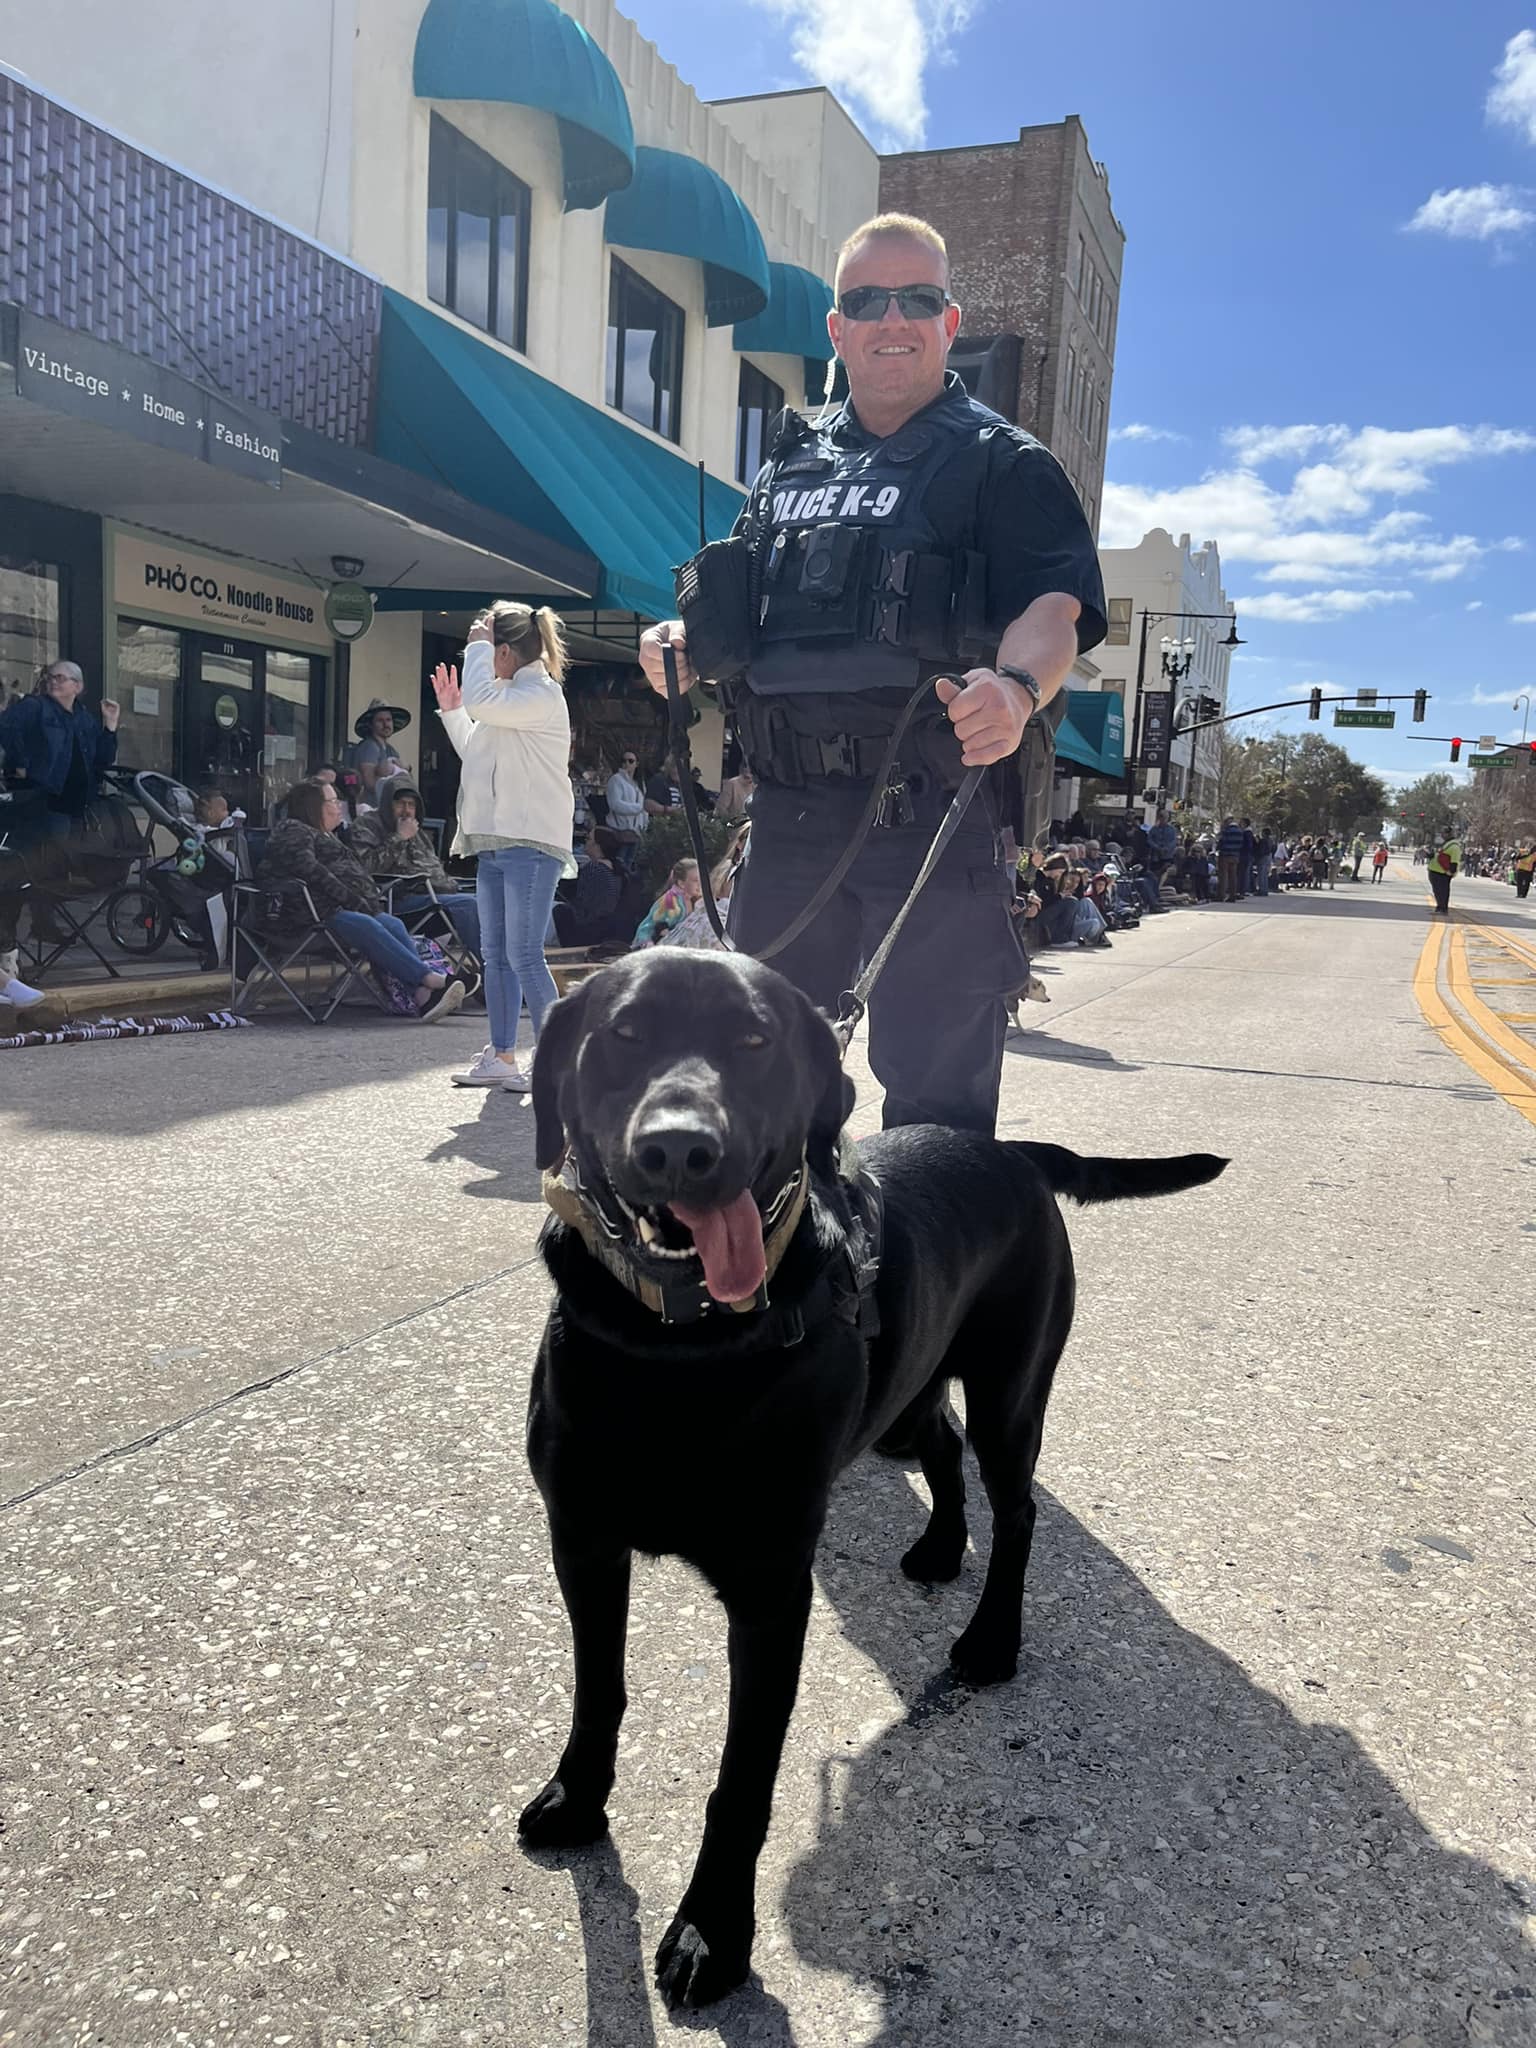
<point>1455,750</point>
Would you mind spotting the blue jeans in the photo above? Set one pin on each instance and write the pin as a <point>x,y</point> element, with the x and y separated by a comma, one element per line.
<point>462,912</point>
<point>1263,881</point>
<point>515,889</point>
<point>383,942</point>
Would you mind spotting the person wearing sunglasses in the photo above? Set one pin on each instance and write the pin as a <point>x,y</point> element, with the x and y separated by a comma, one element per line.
<point>909,537</point>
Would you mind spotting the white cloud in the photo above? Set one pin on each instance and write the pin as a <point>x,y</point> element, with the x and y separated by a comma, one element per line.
<point>1482,696</point>
<point>1313,605</point>
<point>1474,213</point>
<point>1522,618</point>
<point>1332,522</point>
<point>874,53</point>
<point>1137,432</point>
<point>1255,445</point>
<point>1512,99</point>
<point>1476,605</point>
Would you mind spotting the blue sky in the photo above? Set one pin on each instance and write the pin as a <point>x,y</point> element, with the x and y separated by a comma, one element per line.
<point>1347,397</point>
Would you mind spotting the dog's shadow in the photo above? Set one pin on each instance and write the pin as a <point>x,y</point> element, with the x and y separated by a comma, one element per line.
<point>1132,1842</point>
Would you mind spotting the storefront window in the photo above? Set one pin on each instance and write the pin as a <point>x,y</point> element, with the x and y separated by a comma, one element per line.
<point>148,679</point>
<point>283,758</point>
<point>29,623</point>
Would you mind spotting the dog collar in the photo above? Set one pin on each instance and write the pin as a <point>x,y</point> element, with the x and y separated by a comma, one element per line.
<point>603,1223</point>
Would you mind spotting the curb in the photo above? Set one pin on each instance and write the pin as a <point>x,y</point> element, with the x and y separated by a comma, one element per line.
<point>172,994</point>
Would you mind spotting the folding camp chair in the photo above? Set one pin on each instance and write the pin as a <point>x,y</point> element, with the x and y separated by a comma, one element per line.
<point>259,958</point>
<point>70,880</point>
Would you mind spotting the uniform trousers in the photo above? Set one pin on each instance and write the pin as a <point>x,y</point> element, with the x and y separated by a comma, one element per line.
<point>936,1017</point>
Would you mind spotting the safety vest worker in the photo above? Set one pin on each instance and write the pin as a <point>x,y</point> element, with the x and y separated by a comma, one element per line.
<point>1441,868</point>
<point>912,536</point>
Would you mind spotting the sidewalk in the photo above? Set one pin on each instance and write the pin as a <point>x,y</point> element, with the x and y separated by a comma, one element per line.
<point>284,1654</point>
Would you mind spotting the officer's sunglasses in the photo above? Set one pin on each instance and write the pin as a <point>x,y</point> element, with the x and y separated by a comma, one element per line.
<point>917,301</point>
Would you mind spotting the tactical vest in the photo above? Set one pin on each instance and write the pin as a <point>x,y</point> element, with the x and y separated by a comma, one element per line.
<point>855,589</point>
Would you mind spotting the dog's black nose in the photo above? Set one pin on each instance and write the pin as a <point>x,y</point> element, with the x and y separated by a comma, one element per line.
<point>675,1155</point>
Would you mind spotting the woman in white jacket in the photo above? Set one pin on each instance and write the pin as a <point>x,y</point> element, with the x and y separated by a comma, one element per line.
<point>512,730</point>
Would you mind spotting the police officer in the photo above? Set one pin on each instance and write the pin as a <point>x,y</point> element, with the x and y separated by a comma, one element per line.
<point>914,536</point>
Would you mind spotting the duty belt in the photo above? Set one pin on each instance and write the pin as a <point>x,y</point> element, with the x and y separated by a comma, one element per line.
<point>854,756</point>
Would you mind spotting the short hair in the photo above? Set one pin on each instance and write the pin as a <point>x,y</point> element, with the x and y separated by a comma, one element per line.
<point>50,669</point>
<point>898,227</point>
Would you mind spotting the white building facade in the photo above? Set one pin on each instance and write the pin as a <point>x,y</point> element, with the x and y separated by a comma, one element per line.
<point>1169,591</point>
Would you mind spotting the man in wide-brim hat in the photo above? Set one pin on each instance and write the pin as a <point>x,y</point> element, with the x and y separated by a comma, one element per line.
<point>375,755</point>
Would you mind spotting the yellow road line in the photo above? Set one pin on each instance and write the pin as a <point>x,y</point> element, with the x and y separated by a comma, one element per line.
<point>1512,1084</point>
<point>1489,1022</point>
<point>1508,943</point>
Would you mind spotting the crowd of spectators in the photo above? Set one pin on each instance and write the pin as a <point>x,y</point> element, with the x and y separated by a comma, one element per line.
<point>1075,890</point>
<point>1498,862</point>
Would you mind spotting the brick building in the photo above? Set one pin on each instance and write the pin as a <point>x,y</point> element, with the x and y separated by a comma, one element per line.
<point>1035,255</point>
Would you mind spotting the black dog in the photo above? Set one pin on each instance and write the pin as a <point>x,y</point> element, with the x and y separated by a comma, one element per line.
<point>716,1356</point>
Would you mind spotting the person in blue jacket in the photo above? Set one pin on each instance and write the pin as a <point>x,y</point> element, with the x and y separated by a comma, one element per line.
<point>55,751</point>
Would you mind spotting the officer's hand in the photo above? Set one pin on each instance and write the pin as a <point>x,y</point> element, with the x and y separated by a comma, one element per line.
<point>988,712</point>
<point>652,640</point>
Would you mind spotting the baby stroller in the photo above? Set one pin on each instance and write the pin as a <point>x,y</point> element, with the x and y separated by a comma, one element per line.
<point>186,893</point>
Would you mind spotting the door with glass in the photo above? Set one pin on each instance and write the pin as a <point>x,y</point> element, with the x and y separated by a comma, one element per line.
<point>222,736</point>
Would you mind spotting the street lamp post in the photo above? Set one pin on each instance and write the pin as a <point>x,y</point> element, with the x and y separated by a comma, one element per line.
<point>1133,756</point>
<point>1525,699</point>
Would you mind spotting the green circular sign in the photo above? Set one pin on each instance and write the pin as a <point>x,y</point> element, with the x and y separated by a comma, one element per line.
<point>226,712</point>
<point>348,610</point>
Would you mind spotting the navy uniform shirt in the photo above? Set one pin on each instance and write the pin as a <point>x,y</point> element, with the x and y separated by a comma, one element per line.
<point>1025,517</point>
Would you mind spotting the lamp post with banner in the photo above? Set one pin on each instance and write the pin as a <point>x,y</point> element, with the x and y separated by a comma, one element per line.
<point>1152,739</point>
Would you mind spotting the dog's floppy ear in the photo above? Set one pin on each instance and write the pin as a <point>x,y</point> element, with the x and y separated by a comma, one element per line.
<point>832,1091</point>
<point>553,1061</point>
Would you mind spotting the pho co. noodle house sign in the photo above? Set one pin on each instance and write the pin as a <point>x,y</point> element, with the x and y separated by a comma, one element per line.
<point>241,599</point>
<point>74,373</point>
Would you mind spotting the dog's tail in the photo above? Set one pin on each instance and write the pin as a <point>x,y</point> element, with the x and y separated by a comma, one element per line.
<point>1115,1180</point>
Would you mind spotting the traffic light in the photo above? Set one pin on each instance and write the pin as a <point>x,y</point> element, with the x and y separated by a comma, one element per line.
<point>1315,708</point>
<point>1455,750</point>
<point>1420,699</point>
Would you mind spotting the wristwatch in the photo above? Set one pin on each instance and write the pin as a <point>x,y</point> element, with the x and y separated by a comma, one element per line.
<point>1023,678</point>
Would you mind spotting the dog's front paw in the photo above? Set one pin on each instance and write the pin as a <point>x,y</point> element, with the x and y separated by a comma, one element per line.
<point>691,1971</point>
<point>935,1558</point>
<point>981,1659</point>
<point>553,1819</point>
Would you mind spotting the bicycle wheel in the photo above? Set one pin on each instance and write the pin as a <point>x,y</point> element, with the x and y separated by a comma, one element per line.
<point>136,919</point>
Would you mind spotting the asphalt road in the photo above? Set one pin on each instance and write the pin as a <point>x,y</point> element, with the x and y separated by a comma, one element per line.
<point>283,1653</point>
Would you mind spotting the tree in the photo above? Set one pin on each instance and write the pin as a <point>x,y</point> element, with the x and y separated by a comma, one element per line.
<point>1298,783</point>
<point>1427,809</point>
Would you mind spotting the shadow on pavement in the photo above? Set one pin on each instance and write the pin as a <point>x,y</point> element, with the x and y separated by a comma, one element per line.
<point>1041,1044</point>
<point>1132,1843</point>
<point>498,1139</point>
<point>132,1087</point>
<point>1347,901</point>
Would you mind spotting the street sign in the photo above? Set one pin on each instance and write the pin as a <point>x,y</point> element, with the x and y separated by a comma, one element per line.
<point>1156,728</point>
<point>1490,760</point>
<point>1488,739</point>
<point>1376,718</point>
<point>1365,697</point>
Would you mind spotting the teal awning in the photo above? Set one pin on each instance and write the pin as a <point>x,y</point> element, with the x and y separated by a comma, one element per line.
<point>679,205</point>
<point>457,410</point>
<point>794,321</point>
<point>528,53</point>
<point>1092,735</point>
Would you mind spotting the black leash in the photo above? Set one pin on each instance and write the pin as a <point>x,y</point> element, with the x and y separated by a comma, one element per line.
<point>853,1002</point>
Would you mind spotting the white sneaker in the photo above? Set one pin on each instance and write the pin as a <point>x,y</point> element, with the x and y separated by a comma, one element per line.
<point>488,1071</point>
<point>19,995</point>
<point>516,1080</point>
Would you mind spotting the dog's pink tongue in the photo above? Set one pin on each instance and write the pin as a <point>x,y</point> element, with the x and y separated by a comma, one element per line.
<point>730,1245</point>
